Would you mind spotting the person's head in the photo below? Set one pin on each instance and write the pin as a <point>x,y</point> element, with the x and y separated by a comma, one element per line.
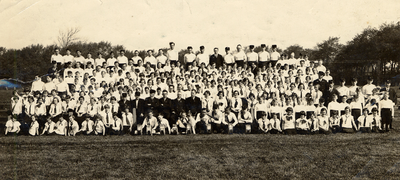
<point>323,112</point>
<point>216,50</point>
<point>347,110</point>
<point>344,99</point>
<point>365,111</point>
<point>374,111</point>
<point>302,114</point>
<point>289,110</point>
<point>172,45</point>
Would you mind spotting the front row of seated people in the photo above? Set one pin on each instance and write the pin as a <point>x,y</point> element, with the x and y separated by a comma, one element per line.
<point>225,121</point>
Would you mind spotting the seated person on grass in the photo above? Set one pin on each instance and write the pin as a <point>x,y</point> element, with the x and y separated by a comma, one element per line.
<point>12,126</point>
<point>48,127</point>
<point>34,127</point>
<point>73,126</point>
<point>365,122</point>
<point>275,124</point>
<point>163,124</point>
<point>263,123</point>
<point>348,121</point>
<point>99,128</point>
<point>61,127</point>
<point>87,126</point>
<point>116,127</point>
<point>323,122</point>
<point>150,124</point>
<point>302,124</point>
<point>289,123</point>
<point>375,119</point>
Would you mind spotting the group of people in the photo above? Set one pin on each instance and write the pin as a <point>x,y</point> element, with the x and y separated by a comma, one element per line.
<point>240,92</point>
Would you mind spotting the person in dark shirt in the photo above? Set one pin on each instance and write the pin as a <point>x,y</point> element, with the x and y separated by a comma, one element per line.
<point>323,84</point>
<point>216,58</point>
<point>165,107</point>
<point>328,94</point>
<point>138,111</point>
<point>193,103</point>
<point>151,103</point>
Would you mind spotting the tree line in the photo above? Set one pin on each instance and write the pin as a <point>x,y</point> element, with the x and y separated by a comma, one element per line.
<point>373,52</point>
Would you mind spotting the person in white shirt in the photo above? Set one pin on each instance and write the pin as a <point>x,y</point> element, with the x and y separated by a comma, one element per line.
<point>342,89</point>
<point>263,123</point>
<point>61,127</point>
<point>48,127</point>
<point>386,111</point>
<point>252,57</point>
<point>163,124</point>
<point>348,121</point>
<point>229,60</point>
<point>229,121</point>
<point>116,126</point>
<point>189,57</point>
<point>136,58</point>
<point>73,126</point>
<point>149,124</point>
<point>99,60</point>
<point>55,108</point>
<point>302,124</point>
<point>127,120</point>
<point>275,56</point>
<point>368,88</point>
<point>375,120</point>
<point>289,122</point>
<point>364,123</point>
<point>57,58</point>
<point>323,122</point>
<point>37,84</point>
<point>263,57</point>
<point>202,57</point>
<point>161,58</point>
<point>79,60</point>
<point>68,58</point>
<point>172,54</point>
<point>99,128</point>
<point>111,60</point>
<point>34,127</point>
<point>240,56</point>
<point>122,59</point>
<point>12,127</point>
<point>150,59</point>
<point>108,118</point>
<point>87,126</point>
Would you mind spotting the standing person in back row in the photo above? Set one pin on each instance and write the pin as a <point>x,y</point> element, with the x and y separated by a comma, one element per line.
<point>252,57</point>
<point>202,57</point>
<point>274,55</point>
<point>240,56</point>
<point>216,58</point>
<point>172,54</point>
<point>263,56</point>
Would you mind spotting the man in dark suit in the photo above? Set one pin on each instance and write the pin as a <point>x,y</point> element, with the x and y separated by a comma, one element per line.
<point>193,103</point>
<point>323,84</point>
<point>138,109</point>
<point>165,107</point>
<point>151,103</point>
<point>216,59</point>
<point>328,95</point>
<point>123,103</point>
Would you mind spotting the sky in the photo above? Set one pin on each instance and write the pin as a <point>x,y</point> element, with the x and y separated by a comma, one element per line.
<point>152,24</point>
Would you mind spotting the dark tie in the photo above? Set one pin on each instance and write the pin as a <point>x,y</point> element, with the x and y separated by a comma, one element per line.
<point>87,125</point>
<point>365,120</point>
<point>112,110</point>
<point>227,119</point>
<point>79,107</point>
<point>115,123</point>
<point>30,109</point>
<point>236,103</point>
<point>107,118</point>
<point>55,109</point>
<point>102,107</point>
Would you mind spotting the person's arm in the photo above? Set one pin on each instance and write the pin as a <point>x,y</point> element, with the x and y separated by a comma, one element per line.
<point>169,128</point>
<point>104,129</point>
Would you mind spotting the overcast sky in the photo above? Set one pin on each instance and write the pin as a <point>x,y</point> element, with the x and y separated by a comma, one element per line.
<point>143,24</point>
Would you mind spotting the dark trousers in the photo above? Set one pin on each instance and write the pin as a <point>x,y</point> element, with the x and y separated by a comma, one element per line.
<point>303,131</point>
<point>216,128</point>
<point>240,63</point>
<point>321,131</point>
<point>365,129</point>
<point>386,114</point>
<point>356,113</point>
<point>12,134</point>
<point>347,130</point>
<point>290,131</point>
<point>273,63</point>
<point>125,130</point>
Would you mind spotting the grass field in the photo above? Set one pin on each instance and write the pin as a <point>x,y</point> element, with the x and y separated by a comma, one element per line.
<point>219,156</point>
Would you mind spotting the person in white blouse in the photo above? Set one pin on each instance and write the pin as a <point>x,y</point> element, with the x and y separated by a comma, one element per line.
<point>87,126</point>
<point>263,56</point>
<point>55,108</point>
<point>386,111</point>
<point>202,57</point>
<point>99,128</point>
<point>228,58</point>
<point>48,127</point>
<point>240,56</point>
<point>161,58</point>
<point>347,121</point>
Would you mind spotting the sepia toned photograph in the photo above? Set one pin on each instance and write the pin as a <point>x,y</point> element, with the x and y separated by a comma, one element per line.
<point>190,89</point>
